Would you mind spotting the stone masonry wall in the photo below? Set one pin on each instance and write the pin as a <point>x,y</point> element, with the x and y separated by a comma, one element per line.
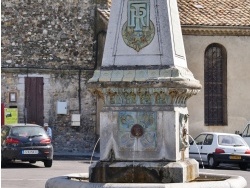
<point>53,39</point>
<point>44,33</point>
<point>59,86</point>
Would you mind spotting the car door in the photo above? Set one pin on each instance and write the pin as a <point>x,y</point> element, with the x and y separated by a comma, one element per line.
<point>207,147</point>
<point>201,147</point>
<point>195,147</point>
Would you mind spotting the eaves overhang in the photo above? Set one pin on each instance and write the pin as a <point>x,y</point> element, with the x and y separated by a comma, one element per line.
<point>215,30</point>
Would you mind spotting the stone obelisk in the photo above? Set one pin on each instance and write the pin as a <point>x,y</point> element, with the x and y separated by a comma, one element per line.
<point>144,82</point>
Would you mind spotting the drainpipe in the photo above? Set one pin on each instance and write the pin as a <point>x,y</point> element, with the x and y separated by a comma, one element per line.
<point>79,90</point>
<point>25,114</point>
<point>96,64</point>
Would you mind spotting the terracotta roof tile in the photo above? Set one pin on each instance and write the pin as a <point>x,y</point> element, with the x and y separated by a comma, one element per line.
<point>210,12</point>
<point>105,13</point>
<point>215,12</point>
<point>109,3</point>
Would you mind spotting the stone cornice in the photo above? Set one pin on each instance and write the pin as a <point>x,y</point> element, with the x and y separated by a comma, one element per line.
<point>144,96</point>
<point>215,30</point>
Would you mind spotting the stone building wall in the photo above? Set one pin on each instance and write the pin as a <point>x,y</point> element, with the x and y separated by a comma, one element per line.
<point>53,39</point>
<point>238,77</point>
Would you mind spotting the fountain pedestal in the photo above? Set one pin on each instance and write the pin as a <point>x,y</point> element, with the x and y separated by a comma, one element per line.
<point>143,132</point>
<point>144,83</point>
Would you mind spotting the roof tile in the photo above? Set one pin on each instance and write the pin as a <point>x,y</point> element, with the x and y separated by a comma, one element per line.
<point>215,12</point>
<point>210,12</point>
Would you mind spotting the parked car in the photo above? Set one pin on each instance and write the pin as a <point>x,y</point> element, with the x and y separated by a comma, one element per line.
<point>25,142</point>
<point>246,134</point>
<point>213,148</point>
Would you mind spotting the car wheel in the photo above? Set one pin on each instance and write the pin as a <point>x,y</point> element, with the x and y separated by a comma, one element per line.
<point>211,162</point>
<point>32,162</point>
<point>243,166</point>
<point>48,163</point>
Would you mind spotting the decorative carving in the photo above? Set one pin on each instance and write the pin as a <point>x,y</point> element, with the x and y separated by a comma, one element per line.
<point>126,120</point>
<point>146,119</point>
<point>99,93</point>
<point>137,130</point>
<point>173,94</point>
<point>112,96</point>
<point>183,118</point>
<point>130,96</point>
<point>145,96</point>
<point>160,97</point>
<point>139,30</point>
<point>180,95</point>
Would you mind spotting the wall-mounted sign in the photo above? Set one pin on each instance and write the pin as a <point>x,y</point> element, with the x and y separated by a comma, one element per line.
<point>10,115</point>
<point>12,97</point>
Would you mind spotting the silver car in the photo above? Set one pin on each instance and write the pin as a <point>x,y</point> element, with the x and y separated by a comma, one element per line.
<point>213,148</point>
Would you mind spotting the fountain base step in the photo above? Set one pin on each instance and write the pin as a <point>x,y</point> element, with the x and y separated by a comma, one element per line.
<point>144,172</point>
<point>204,181</point>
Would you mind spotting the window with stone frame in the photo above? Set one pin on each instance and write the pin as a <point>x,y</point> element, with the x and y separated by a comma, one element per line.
<point>215,85</point>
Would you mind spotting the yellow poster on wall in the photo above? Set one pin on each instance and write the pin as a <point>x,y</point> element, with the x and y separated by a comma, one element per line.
<point>10,115</point>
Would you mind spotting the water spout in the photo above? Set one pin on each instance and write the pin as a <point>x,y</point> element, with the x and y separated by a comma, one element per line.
<point>198,150</point>
<point>94,150</point>
<point>133,169</point>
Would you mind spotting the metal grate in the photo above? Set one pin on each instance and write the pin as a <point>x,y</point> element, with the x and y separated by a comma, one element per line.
<point>213,85</point>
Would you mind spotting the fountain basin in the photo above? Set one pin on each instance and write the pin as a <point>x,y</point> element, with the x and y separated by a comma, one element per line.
<point>205,180</point>
<point>144,172</point>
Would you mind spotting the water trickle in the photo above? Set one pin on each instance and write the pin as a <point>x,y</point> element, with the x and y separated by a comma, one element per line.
<point>94,150</point>
<point>198,150</point>
<point>134,150</point>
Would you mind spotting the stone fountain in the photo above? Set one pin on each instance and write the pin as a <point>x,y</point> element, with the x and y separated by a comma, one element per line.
<point>145,83</point>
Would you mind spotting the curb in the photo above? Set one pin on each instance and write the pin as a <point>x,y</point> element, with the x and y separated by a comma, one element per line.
<point>75,156</point>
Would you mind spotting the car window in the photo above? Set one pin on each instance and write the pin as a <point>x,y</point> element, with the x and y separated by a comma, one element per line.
<point>246,132</point>
<point>230,140</point>
<point>27,131</point>
<point>208,140</point>
<point>200,139</point>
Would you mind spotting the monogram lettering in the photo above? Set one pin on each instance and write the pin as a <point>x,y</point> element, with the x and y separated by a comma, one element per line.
<point>138,16</point>
<point>139,30</point>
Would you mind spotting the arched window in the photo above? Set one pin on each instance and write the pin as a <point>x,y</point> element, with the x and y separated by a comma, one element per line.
<point>215,85</point>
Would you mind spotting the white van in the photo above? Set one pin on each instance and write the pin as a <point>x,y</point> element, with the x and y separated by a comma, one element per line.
<point>246,134</point>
